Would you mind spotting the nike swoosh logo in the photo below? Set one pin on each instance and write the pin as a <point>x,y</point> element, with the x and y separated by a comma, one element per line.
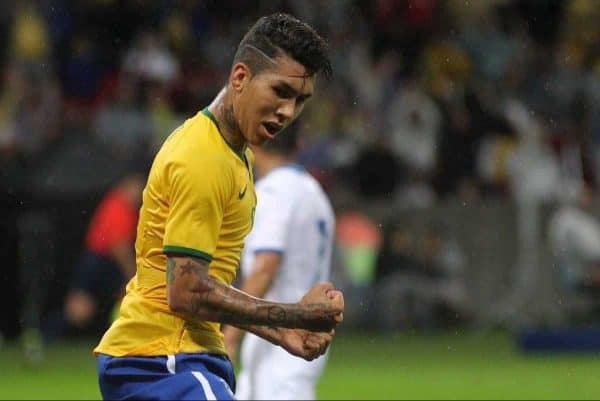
<point>242,193</point>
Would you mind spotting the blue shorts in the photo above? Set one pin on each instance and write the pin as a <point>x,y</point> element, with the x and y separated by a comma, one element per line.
<point>199,376</point>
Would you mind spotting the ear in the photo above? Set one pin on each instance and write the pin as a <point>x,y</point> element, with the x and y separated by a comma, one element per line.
<point>239,77</point>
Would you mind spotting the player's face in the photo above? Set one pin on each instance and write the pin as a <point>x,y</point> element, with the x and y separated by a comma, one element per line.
<point>273,99</point>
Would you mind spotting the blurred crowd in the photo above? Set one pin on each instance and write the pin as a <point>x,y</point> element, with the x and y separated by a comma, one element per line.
<point>430,99</point>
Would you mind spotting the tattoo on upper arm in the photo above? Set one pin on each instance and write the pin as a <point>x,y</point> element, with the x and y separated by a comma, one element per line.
<point>170,270</point>
<point>185,267</point>
<point>188,268</point>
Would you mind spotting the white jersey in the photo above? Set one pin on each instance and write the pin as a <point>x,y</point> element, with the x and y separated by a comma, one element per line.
<point>293,217</point>
<point>574,237</point>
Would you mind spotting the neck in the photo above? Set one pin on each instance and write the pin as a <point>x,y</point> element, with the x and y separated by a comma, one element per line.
<point>222,109</point>
<point>265,163</point>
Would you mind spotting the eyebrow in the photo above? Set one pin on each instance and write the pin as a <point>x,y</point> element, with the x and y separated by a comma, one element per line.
<point>287,87</point>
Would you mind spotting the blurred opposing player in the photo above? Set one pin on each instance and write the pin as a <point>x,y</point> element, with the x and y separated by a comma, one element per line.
<point>287,252</point>
<point>198,206</point>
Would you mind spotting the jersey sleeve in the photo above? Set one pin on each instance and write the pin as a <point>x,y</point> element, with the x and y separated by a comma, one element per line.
<point>199,192</point>
<point>271,222</point>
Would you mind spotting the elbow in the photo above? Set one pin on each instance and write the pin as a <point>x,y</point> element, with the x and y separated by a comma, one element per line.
<point>182,302</point>
<point>175,300</point>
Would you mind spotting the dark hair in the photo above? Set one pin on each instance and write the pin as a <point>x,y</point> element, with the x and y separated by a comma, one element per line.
<point>286,142</point>
<point>282,33</point>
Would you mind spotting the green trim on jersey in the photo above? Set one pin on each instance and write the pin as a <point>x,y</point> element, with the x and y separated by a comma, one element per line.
<point>188,251</point>
<point>241,154</point>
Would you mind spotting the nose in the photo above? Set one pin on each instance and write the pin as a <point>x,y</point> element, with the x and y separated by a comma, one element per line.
<point>286,110</point>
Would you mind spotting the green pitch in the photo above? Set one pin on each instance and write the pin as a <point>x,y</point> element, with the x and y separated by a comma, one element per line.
<point>448,366</point>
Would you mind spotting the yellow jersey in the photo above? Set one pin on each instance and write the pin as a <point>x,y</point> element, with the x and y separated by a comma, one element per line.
<point>199,201</point>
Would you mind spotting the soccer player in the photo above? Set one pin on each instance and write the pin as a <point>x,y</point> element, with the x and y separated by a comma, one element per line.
<point>198,205</point>
<point>286,253</point>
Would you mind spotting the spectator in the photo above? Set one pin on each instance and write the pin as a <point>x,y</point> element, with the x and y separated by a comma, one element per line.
<point>574,238</point>
<point>123,123</point>
<point>150,59</point>
<point>376,170</point>
<point>414,121</point>
<point>532,168</point>
<point>424,285</point>
<point>82,72</point>
<point>414,125</point>
<point>107,262</point>
<point>396,254</point>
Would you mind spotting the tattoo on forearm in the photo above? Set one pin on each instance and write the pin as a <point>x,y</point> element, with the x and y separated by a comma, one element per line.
<point>212,300</point>
<point>272,334</point>
<point>276,314</point>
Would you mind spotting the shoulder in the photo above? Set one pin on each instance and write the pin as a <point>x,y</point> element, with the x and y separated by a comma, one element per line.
<point>194,147</point>
<point>282,181</point>
<point>291,184</point>
<point>195,135</point>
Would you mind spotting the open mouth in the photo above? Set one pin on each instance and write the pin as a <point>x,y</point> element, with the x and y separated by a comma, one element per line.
<point>272,129</point>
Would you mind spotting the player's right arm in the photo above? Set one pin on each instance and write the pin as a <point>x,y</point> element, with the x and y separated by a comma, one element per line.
<point>191,292</point>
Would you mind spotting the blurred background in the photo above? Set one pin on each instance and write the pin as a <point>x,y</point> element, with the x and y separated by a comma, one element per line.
<point>459,142</point>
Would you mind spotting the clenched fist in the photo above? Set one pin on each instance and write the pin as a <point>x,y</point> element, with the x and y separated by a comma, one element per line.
<point>305,344</point>
<point>326,305</point>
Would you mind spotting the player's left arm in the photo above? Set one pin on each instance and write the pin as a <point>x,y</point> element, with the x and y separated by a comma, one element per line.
<point>295,341</point>
<point>257,283</point>
<point>301,343</point>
